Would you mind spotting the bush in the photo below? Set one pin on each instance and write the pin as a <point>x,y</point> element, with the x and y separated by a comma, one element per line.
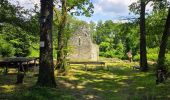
<point>18,38</point>
<point>153,50</point>
<point>167,62</point>
<point>136,57</point>
<point>6,49</point>
<point>111,54</point>
<point>152,55</point>
<point>104,46</point>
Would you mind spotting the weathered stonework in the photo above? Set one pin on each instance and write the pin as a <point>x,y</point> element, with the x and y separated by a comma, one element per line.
<point>82,47</point>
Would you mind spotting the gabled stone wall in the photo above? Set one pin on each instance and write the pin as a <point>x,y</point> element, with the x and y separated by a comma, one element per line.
<point>82,47</point>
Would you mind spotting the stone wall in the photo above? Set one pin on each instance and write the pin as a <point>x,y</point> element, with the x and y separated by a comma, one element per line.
<point>82,47</point>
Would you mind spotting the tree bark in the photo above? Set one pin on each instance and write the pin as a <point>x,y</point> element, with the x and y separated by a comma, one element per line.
<point>61,45</point>
<point>46,71</point>
<point>161,57</point>
<point>143,56</point>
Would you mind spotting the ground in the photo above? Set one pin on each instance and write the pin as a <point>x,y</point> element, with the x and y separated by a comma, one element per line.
<point>120,82</point>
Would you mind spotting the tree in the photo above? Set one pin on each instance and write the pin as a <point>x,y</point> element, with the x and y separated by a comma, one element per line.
<point>17,29</point>
<point>46,71</point>
<point>156,20</point>
<point>81,7</point>
<point>140,7</point>
<point>143,56</point>
<point>60,53</point>
<point>161,68</point>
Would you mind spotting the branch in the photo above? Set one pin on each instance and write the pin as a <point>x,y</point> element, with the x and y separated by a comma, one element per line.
<point>147,2</point>
<point>56,12</point>
<point>70,8</point>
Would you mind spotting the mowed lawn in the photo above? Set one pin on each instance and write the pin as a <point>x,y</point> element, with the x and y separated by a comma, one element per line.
<point>120,82</point>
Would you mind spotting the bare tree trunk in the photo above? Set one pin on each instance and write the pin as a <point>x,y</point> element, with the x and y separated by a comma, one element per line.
<point>46,71</point>
<point>61,45</point>
<point>161,68</point>
<point>143,56</point>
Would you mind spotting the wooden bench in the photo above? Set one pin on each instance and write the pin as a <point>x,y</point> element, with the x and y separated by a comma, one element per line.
<point>88,63</point>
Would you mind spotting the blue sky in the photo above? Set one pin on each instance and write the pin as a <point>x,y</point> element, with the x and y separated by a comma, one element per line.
<point>115,10</point>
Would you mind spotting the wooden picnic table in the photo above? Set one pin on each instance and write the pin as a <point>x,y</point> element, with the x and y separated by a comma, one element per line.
<point>17,62</point>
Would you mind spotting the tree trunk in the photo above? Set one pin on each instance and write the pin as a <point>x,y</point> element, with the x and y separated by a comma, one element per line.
<point>143,56</point>
<point>46,70</point>
<point>161,68</point>
<point>61,45</point>
<point>20,78</point>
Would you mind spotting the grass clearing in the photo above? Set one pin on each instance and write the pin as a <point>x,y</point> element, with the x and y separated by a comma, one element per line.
<point>120,82</point>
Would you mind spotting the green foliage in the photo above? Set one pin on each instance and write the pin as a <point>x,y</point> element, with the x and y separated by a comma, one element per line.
<point>156,4</point>
<point>155,20</point>
<point>167,61</point>
<point>81,7</point>
<point>152,54</point>
<point>34,50</point>
<point>6,49</point>
<point>18,28</point>
<point>104,46</point>
<point>19,39</point>
<point>116,39</point>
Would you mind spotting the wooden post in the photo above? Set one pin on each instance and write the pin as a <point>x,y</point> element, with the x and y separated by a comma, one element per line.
<point>85,66</point>
<point>6,69</point>
<point>21,73</point>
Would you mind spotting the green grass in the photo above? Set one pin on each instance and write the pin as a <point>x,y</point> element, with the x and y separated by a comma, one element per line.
<point>120,82</point>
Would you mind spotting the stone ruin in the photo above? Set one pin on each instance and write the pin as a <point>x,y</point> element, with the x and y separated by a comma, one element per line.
<point>82,47</point>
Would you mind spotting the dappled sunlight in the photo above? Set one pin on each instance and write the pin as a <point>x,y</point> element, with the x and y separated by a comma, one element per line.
<point>141,74</point>
<point>117,83</point>
<point>98,89</point>
<point>8,88</point>
<point>123,83</point>
<point>140,88</point>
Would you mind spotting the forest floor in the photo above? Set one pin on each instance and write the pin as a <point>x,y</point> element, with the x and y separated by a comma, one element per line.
<point>120,82</point>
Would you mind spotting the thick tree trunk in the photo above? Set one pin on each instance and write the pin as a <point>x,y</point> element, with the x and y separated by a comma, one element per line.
<point>46,70</point>
<point>143,56</point>
<point>61,45</point>
<point>161,68</point>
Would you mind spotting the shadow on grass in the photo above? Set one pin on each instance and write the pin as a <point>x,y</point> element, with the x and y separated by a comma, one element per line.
<point>117,83</point>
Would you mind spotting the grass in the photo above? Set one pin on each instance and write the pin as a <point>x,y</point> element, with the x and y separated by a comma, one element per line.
<point>120,82</point>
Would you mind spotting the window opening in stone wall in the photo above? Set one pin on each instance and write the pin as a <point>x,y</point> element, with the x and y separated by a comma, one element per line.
<point>79,41</point>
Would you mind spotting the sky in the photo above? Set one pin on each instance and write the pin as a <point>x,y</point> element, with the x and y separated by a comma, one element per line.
<point>115,10</point>
<point>109,10</point>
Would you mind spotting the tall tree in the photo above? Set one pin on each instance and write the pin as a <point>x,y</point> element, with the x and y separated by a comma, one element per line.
<point>46,71</point>
<point>60,53</point>
<point>139,7</point>
<point>143,56</point>
<point>161,68</point>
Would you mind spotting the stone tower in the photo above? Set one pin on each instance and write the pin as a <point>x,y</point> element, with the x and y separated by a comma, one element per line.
<point>82,47</point>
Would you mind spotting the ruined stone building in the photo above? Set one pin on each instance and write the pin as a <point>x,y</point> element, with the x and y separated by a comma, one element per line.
<point>82,47</point>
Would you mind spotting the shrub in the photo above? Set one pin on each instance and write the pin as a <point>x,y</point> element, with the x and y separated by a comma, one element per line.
<point>152,57</point>
<point>136,57</point>
<point>6,49</point>
<point>153,50</point>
